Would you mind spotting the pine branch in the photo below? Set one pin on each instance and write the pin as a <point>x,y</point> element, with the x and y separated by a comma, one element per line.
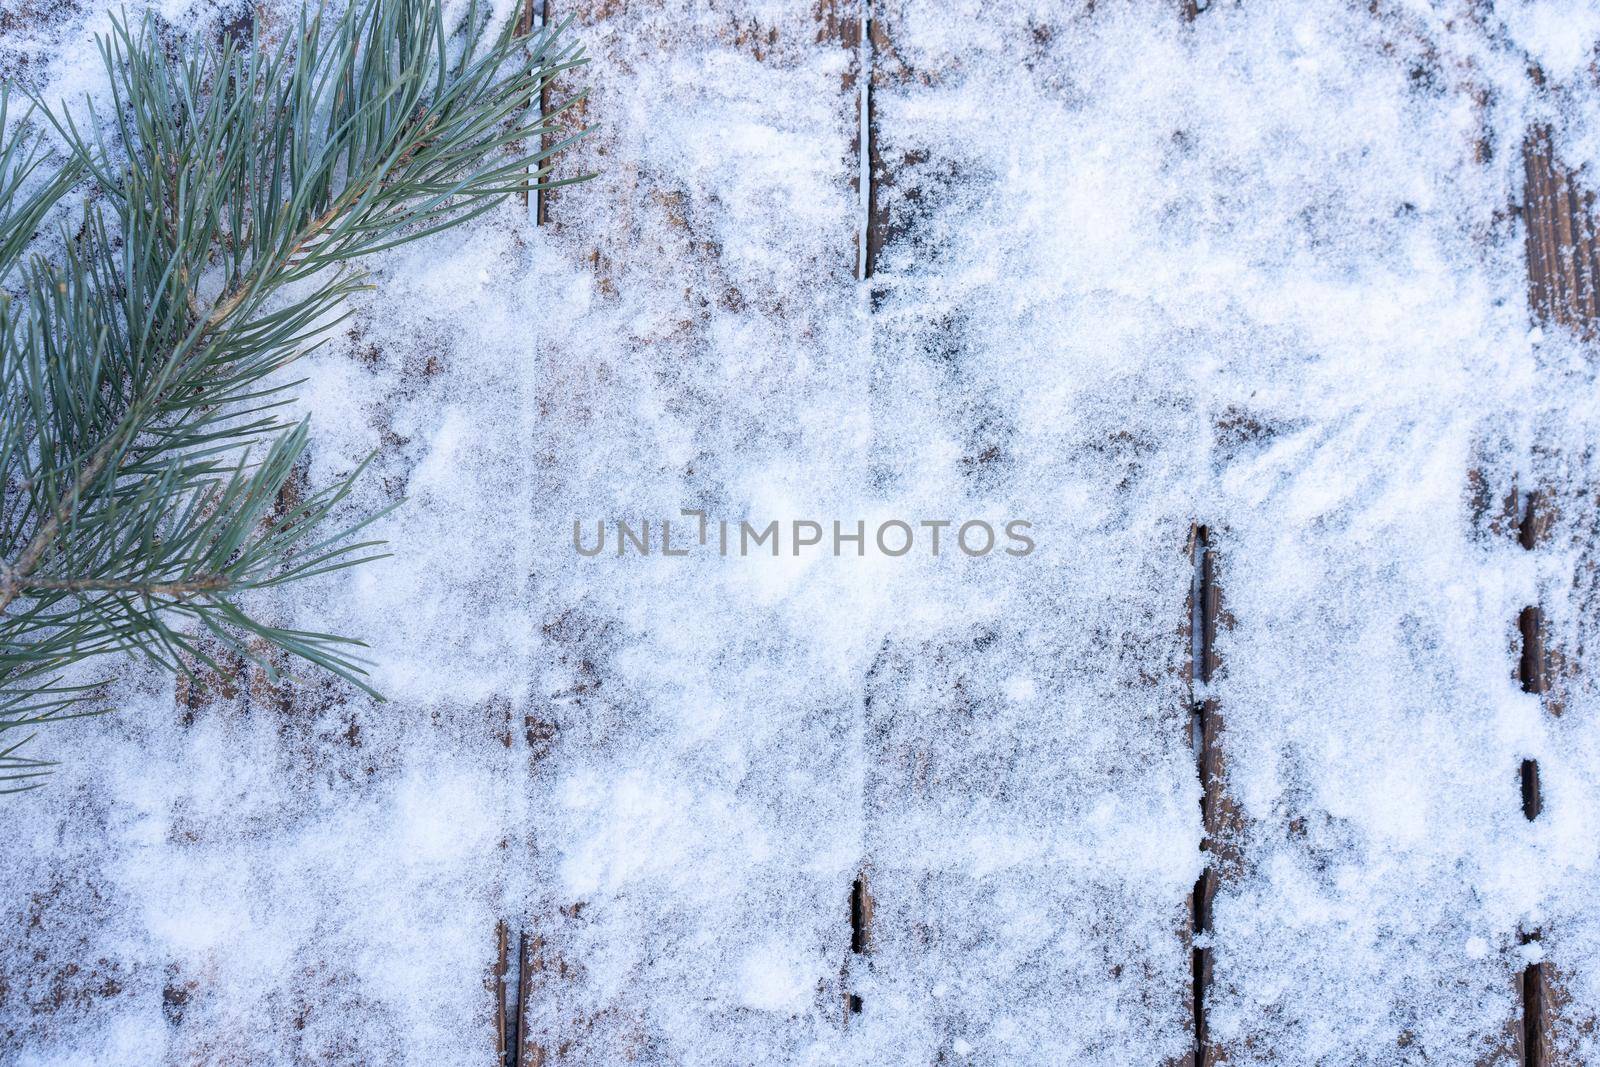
<point>205,583</point>
<point>15,577</point>
<point>142,454</point>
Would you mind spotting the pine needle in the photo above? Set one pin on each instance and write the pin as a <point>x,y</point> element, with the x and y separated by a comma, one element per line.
<point>142,449</point>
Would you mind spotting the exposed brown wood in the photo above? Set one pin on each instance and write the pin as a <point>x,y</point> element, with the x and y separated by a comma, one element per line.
<point>1541,667</point>
<point>861,909</point>
<point>1531,667</point>
<point>497,987</point>
<point>1220,817</point>
<point>1562,252</point>
<point>877,208</point>
<point>1193,1003</point>
<point>516,1037</point>
<point>1202,614</point>
<point>839,25</point>
<point>886,69</point>
<point>1542,1001</point>
<point>1536,519</point>
<point>511,988</point>
<point>860,914</point>
<point>1532,799</point>
<point>541,209</point>
<point>1535,1017</point>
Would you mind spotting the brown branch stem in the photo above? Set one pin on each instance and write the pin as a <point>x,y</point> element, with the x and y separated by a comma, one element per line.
<point>207,584</point>
<point>16,577</point>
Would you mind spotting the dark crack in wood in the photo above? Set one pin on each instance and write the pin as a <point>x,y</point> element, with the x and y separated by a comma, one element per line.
<point>1219,816</point>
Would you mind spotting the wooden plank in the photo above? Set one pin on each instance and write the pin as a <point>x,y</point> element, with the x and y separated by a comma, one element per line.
<point>1198,917</point>
<point>935,787</point>
<point>878,171</point>
<point>1563,258</point>
<point>653,236</point>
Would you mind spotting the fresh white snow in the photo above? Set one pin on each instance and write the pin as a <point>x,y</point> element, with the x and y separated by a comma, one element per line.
<point>1249,272</point>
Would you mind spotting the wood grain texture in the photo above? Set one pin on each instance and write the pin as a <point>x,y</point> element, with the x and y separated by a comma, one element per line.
<point>1563,257</point>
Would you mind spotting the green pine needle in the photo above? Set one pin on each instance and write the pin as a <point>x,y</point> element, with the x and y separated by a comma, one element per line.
<point>142,449</point>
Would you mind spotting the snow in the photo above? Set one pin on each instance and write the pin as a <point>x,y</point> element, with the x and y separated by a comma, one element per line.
<point>1249,272</point>
<point>1559,36</point>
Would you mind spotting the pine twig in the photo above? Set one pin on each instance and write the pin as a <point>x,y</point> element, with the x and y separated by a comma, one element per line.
<point>142,453</point>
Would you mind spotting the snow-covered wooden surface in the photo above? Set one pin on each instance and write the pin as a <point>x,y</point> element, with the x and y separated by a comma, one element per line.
<point>1278,323</point>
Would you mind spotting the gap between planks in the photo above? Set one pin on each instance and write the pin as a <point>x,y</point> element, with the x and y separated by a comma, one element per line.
<point>1205,724</point>
<point>856,32</point>
<point>1538,997</point>
<point>1218,814</point>
<point>511,984</point>
<point>510,981</point>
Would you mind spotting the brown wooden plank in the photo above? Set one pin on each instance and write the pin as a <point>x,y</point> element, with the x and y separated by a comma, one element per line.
<point>516,1024</point>
<point>1538,1004</point>
<point>1531,665</point>
<point>1537,517</point>
<point>1200,964</point>
<point>878,171</point>
<point>1221,819</point>
<point>1563,256</point>
<point>511,983</point>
